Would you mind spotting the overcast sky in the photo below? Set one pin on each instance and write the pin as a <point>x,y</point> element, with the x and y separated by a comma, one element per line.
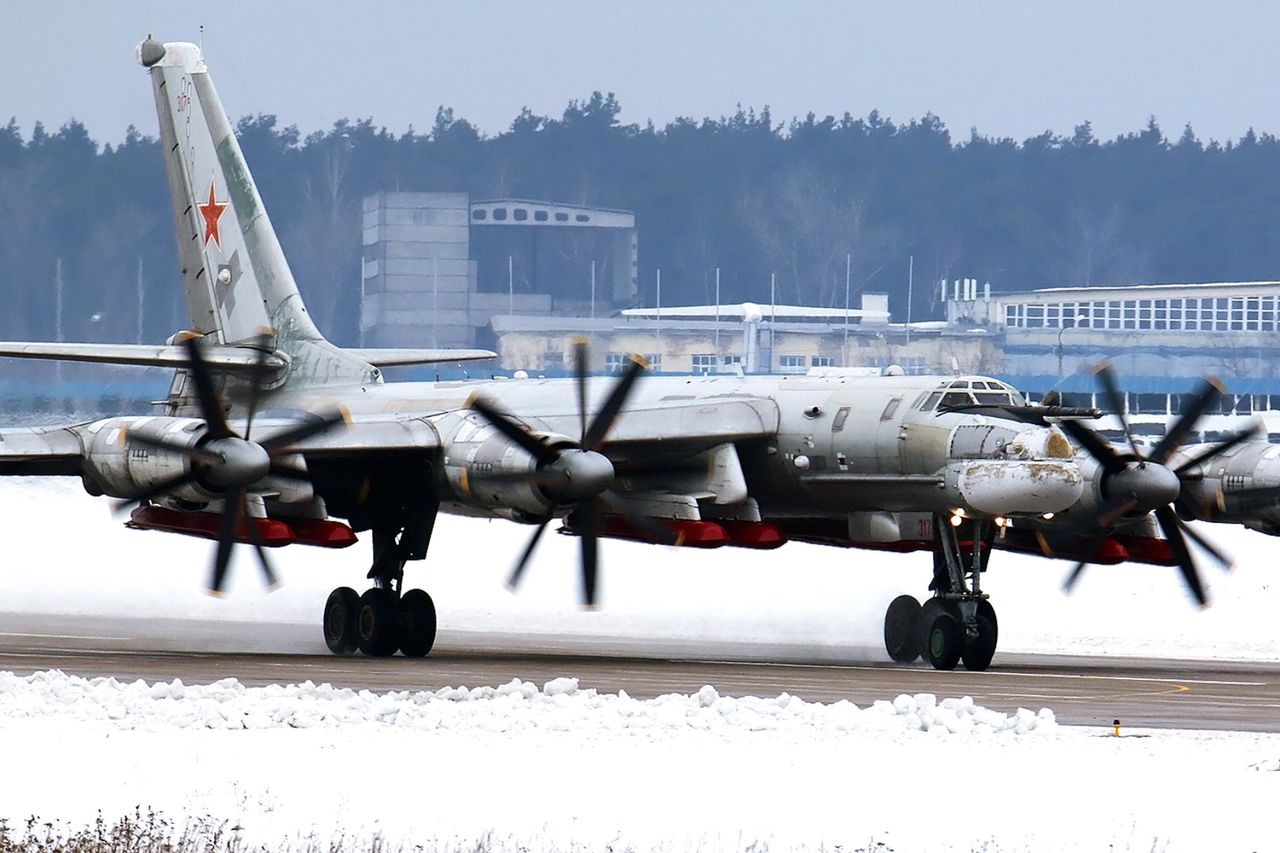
<point>1007,68</point>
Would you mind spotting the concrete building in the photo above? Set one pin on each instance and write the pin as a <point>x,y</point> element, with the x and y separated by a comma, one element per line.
<point>438,266</point>
<point>1162,339</point>
<point>746,337</point>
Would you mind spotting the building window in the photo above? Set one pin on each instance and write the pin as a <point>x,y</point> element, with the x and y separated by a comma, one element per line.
<point>791,362</point>
<point>553,360</point>
<point>704,363</point>
<point>499,214</point>
<point>615,362</point>
<point>822,361</point>
<point>730,360</point>
<point>655,361</point>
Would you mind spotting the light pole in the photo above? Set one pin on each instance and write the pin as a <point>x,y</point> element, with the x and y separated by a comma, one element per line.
<point>1079,318</point>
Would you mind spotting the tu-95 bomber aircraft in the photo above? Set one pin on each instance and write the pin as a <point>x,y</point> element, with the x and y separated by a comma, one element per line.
<point>895,461</point>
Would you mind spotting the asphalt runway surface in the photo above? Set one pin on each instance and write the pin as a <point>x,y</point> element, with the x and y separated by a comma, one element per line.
<point>1086,691</point>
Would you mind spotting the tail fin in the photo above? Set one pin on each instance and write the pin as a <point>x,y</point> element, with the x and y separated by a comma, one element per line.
<point>235,273</point>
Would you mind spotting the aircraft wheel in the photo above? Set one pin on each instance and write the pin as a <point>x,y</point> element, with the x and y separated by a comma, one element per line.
<point>376,621</point>
<point>946,641</point>
<point>417,623</point>
<point>340,621</point>
<point>977,654</point>
<point>924,621</point>
<point>901,636</point>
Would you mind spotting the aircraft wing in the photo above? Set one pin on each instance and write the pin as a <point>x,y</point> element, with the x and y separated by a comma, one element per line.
<point>143,355</point>
<point>388,357</point>
<point>650,437</point>
<point>40,452</point>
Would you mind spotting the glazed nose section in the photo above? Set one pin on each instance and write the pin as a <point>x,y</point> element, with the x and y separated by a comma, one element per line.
<point>1150,484</point>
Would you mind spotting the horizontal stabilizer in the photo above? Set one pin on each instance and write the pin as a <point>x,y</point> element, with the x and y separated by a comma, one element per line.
<point>143,355</point>
<point>388,357</point>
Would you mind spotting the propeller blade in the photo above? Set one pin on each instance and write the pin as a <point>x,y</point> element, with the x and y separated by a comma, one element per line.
<point>226,539</point>
<point>1095,445</point>
<point>156,491</point>
<point>210,403</point>
<point>1208,546</point>
<point>520,436</point>
<point>587,519</point>
<point>613,405</point>
<point>1168,521</point>
<point>1115,399</point>
<point>1182,427</point>
<point>257,379</point>
<point>580,374</point>
<point>1069,584</point>
<point>1205,455</point>
<point>518,570</point>
<point>195,454</point>
<point>281,441</point>
<point>267,572</point>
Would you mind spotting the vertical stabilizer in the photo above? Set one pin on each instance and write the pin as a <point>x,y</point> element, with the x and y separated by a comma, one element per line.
<point>236,277</point>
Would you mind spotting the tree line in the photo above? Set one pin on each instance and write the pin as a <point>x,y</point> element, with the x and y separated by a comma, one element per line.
<point>808,200</point>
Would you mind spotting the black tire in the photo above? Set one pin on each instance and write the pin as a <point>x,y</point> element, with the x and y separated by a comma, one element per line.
<point>977,654</point>
<point>929,611</point>
<point>417,623</point>
<point>946,642</point>
<point>340,621</point>
<point>985,609</point>
<point>376,623</point>
<point>901,636</point>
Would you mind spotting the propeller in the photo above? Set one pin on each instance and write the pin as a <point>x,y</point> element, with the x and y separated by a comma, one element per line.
<point>1135,483</point>
<point>228,464</point>
<point>579,476</point>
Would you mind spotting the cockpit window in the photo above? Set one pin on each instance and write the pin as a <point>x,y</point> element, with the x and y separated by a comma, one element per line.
<point>951,399</point>
<point>890,409</point>
<point>931,403</point>
<point>994,398</point>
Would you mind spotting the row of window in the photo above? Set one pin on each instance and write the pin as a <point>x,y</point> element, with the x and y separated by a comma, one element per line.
<point>1220,314</point>
<point>521,214</point>
<point>1173,404</point>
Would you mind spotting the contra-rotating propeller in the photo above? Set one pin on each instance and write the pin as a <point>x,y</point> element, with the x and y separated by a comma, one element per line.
<point>1136,483</point>
<point>229,464</point>
<point>578,476</point>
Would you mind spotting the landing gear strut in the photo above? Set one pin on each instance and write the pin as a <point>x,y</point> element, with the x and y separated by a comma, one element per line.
<point>384,618</point>
<point>958,623</point>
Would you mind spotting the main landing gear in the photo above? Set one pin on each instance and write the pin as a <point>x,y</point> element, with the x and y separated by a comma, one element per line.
<point>384,618</point>
<point>958,624</point>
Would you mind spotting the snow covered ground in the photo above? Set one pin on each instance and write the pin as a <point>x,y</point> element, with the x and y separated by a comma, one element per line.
<point>527,767</point>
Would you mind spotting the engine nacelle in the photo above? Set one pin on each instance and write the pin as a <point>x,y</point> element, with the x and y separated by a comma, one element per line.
<point>483,468</point>
<point>1252,465</point>
<point>117,467</point>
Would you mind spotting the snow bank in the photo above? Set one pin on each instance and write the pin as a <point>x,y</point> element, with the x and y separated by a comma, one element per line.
<point>518,706</point>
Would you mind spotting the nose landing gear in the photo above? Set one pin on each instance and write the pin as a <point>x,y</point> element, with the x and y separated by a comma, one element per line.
<point>958,624</point>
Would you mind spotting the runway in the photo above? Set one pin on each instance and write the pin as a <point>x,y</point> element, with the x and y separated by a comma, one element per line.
<point>1085,691</point>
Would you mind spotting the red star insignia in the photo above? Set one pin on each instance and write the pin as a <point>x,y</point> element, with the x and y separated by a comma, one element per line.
<point>211,212</point>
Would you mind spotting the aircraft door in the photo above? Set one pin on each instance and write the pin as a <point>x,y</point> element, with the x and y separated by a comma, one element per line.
<point>888,433</point>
